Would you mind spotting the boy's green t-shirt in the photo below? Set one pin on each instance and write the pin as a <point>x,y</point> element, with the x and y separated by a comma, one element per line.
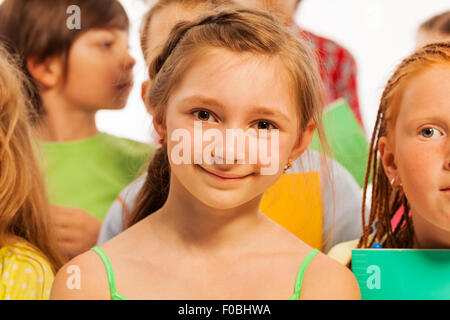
<point>89,174</point>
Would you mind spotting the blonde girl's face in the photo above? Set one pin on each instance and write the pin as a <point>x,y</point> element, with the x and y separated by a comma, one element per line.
<point>99,73</point>
<point>224,90</point>
<point>418,158</point>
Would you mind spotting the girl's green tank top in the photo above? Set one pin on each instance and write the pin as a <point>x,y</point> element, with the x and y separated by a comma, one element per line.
<point>116,296</point>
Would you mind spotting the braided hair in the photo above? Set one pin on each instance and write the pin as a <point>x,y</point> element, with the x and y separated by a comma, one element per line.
<point>387,200</point>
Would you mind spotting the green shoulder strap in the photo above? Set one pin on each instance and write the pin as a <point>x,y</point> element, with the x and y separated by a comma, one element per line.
<point>301,274</point>
<point>110,274</point>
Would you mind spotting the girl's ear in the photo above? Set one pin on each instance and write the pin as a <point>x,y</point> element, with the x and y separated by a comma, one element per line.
<point>159,128</point>
<point>387,157</point>
<point>304,140</point>
<point>47,73</point>
<point>145,85</point>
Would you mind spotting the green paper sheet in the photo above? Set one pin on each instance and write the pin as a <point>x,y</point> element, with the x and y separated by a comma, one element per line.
<point>402,274</point>
<point>346,138</point>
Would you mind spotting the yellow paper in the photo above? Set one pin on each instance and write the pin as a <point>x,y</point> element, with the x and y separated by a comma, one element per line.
<point>294,202</point>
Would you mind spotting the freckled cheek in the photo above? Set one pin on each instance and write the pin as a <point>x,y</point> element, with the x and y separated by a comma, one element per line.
<point>417,167</point>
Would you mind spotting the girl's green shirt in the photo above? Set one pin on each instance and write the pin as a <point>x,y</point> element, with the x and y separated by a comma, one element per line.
<point>90,173</point>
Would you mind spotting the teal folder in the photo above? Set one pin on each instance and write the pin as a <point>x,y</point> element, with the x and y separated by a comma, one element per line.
<point>346,138</point>
<point>402,274</point>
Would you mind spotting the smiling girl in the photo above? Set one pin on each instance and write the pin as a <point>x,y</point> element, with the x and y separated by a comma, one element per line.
<point>75,73</point>
<point>206,238</point>
<point>329,216</point>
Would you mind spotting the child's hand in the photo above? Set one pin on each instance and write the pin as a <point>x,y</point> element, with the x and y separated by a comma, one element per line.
<point>76,230</point>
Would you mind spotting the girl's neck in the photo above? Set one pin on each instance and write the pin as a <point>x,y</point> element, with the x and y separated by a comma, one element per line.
<point>185,221</point>
<point>64,122</point>
<point>429,236</point>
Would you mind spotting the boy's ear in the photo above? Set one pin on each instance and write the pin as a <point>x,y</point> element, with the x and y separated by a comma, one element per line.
<point>304,140</point>
<point>387,157</point>
<point>145,85</point>
<point>46,73</point>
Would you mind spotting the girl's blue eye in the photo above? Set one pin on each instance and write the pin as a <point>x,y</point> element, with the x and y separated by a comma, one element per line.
<point>430,132</point>
<point>265,125</point>
<point>203,115</point>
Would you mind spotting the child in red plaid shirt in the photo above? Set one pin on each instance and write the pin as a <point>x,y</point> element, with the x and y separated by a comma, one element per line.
<point>337,65</point>
<point>337,68</point>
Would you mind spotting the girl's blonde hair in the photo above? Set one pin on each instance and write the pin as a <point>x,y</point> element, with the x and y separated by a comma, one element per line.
<point>386,199</point>
<point>239,31</point>
<point>24,210</point>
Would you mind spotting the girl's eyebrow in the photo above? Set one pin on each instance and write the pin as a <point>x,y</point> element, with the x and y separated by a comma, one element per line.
<point>269,112</point>
<point>199,99</point>
<point>426,120</point>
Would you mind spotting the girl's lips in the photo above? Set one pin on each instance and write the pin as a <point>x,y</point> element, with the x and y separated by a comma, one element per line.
<point>224,177</point>
<point>125,85</point>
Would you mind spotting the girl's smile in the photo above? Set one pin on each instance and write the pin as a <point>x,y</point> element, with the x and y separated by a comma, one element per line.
<point>224,176</point>
<point>228,91</point>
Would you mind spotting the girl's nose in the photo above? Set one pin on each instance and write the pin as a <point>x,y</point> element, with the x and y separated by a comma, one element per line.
<point>229,151</point>
<point>447,158</point>
<point>447,164</point>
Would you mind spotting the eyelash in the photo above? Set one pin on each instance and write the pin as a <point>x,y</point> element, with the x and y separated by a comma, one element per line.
<point>106,44</point>
<point>195,113</point>
<point>273,126</point>
<point>210,114</point>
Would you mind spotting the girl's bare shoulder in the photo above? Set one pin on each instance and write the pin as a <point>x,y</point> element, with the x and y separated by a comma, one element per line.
<point>85,276</point>
<point>82,278</point>
<point>325,278</point>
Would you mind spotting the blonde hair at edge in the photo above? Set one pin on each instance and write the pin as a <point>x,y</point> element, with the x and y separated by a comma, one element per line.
<point>23,202</point>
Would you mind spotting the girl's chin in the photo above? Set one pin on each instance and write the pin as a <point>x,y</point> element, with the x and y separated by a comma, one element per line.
<point>114,106</point>
<point>223,200</point>
<point>222,204</point>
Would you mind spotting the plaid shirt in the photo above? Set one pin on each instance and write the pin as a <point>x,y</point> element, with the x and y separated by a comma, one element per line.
<point>337,68</point>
